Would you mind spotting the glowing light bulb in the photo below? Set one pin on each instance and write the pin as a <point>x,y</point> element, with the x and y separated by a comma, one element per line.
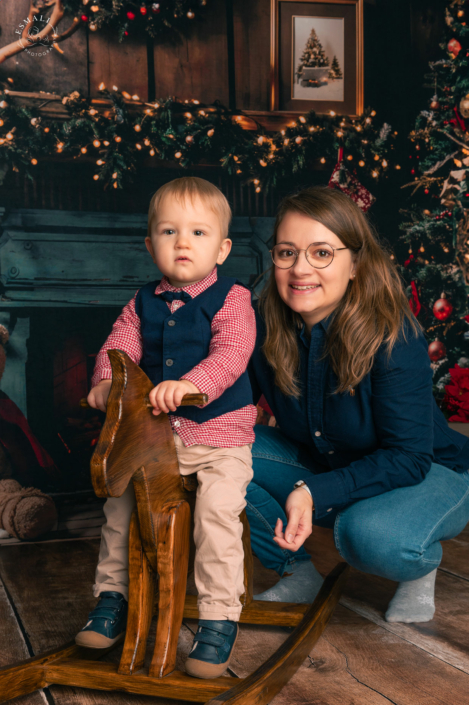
<point>34,161</point>
<point>101,86</point>
<point>96,143</point>
<point>361,163</point>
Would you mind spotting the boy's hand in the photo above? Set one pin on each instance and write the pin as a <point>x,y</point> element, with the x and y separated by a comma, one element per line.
<point>97,398</point>
<point>167,396</point>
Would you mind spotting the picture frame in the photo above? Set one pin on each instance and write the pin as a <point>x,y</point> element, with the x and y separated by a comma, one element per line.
<point>316,57</point>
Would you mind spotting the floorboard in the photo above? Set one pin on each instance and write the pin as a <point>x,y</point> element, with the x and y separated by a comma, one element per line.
<point>360,659</point>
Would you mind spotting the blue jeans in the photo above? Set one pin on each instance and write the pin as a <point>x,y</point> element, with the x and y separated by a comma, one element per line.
<point>395,535</point>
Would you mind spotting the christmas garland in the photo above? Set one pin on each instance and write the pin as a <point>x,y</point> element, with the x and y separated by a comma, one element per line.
<point>187,133</point>
<point>154,17</point>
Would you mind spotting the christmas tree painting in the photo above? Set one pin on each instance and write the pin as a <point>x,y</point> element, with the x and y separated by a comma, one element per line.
<point>335,72</point>
<point>313,55</point>
<point>436,228</point>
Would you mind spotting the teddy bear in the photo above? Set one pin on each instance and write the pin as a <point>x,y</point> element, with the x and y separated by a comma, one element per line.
<point>25,513</point>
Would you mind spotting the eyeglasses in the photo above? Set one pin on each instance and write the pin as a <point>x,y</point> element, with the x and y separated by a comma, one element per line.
<point>318,256</point>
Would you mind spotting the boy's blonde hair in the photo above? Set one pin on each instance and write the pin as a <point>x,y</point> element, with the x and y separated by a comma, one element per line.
<point>190,187</point>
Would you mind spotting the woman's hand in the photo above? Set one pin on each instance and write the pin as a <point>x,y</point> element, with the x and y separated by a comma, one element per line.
<point>299,510</point>
<point>97,398</point>
<point>167,396</point>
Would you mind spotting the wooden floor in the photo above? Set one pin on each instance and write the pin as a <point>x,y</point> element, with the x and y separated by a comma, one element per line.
<point>45,596</point>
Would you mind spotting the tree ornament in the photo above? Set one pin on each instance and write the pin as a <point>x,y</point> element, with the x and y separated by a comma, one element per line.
<point>155,7</point>
<point>442,308</point>
<point>349,184</point>
<point>435,105</point>
<point>454,47</point>
<point>464,106</point>
<point>130,15</point>
<point>436,351</point>
<point>143,10</point>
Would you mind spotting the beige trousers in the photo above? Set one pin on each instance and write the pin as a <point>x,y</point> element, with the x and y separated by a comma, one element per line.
<point>223,475</point>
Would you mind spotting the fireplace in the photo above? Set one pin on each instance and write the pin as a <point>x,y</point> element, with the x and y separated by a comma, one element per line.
<point>65,275</point>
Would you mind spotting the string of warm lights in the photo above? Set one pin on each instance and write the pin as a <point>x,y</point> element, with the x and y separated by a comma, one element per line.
<point>189,133</point>
<point>130,16</point>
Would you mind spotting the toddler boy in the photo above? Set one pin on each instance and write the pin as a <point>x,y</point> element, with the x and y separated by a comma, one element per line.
<point>193,332</point>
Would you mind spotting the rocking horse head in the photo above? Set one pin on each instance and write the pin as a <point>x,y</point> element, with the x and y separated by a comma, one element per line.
<point>120,453</point>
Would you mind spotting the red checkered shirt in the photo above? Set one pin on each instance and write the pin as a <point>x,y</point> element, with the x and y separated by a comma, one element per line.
<point>231,346</point>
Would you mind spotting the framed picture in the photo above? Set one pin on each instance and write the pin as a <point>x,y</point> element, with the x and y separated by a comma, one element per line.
<point>317,56</point>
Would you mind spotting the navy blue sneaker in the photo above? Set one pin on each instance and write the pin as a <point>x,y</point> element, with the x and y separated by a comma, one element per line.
<point>106,623</point>
<point>212,648</point>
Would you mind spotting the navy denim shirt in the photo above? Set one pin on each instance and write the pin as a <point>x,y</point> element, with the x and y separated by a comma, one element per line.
<point>385,436</point>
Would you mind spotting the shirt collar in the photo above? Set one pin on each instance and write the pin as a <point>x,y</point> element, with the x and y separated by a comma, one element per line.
<point>320,327</point>
<point>193,289</point>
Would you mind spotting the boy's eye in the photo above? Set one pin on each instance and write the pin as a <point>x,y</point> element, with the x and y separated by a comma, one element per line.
<point>198,232</point>
<point>168,231</point>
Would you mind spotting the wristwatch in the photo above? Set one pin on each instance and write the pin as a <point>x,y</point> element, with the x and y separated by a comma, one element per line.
<point>302,483</point>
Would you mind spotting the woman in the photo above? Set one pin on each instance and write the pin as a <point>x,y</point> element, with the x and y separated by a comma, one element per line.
<point>344,367</point>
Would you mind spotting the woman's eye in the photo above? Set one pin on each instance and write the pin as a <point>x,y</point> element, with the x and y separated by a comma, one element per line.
<point>322,254</point>
<point>286,253</point>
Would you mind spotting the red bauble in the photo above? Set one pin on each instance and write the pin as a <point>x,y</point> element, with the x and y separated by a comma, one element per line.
<point>454,47</point>
<point>84,18</point>
<point>442,308</point>
<point>130,15</point>
<point>143,10</point>
<point>436,351</point>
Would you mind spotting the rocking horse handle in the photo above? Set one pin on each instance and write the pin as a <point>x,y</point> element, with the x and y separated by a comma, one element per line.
<point>187,400</point>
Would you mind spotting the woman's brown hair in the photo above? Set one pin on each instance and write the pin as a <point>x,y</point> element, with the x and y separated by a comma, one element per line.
<point>371,312</point>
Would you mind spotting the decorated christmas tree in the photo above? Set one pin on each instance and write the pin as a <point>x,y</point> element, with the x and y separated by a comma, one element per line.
<point>336,72</point>
<point>435,231</point>
<point>313,55</point>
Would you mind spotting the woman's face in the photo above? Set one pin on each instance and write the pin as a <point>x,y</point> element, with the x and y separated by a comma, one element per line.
<point>325,287</point>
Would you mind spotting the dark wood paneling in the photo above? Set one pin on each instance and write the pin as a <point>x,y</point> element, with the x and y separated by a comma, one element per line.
<point>55,72</point>
<point>196,65</point>
<point>121,64</point>
<point>252,53</point>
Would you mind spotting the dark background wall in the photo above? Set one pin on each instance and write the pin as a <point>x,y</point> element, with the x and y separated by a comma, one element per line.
<point>401,36</point>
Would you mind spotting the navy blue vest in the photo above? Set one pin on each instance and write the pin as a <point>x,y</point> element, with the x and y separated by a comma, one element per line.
<point>174,343</point>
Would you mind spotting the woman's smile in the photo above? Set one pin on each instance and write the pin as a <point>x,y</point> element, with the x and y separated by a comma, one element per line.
<point>300,289</point>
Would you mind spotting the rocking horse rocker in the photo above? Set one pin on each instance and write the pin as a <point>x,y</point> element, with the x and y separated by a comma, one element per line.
<point>137,446</point>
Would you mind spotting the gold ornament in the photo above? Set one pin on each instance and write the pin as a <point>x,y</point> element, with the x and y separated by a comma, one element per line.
<point>464,106</point>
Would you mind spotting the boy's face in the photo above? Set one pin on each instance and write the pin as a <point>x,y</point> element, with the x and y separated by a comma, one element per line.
<point>186,240</point>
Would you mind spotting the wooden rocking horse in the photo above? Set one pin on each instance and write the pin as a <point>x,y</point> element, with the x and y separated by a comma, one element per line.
<point>137,446</point>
